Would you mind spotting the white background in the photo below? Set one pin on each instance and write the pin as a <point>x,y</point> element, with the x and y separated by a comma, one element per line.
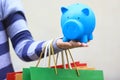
<point>43,18</point>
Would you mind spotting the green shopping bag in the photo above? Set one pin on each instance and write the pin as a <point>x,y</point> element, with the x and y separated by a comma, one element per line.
<point>39,73</point>
<point>47,73</point>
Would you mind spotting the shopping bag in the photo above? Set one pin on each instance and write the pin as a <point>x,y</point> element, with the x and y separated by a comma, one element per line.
<point>26,74</point>
<point>78,66</point>
<point>18,76</point>
<point>48,73</point>
<point>39,73</point>
<point>77,63</point>
<point>84,68</point>
<point>12,75</point>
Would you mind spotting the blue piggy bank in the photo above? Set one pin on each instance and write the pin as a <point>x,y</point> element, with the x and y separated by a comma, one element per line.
<point>77,23</point>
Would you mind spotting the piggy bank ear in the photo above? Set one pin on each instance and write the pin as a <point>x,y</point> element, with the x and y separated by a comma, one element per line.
<point>63,10</point>
<point>86,11</point>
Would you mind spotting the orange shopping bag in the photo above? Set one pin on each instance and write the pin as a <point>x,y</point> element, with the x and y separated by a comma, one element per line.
<point>18,76</point>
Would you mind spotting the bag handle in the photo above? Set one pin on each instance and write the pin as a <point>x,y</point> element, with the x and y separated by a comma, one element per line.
<point>69,66</point>
<point>48,48</point>
<point>44,51</point>
<point>62,58</point>
<point>67,52</point>
<point>40,56</point>
<point>63,61</point>
<point>72,61</point>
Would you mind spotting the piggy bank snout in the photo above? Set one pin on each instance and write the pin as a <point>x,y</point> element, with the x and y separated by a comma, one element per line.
<point>72,29</point>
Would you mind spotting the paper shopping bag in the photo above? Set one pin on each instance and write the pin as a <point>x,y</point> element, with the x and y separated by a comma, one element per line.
<point>12,75</point>
<point>39,73</point>
<point>77,63</point>
<point>78,66</point>
<point>26,74</point>
<point>18,76</point>
<point>84,68</point>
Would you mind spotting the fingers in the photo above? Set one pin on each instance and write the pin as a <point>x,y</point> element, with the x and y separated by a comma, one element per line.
<point>84,45</point>
<point>71,44</point>
<point>78,44</point>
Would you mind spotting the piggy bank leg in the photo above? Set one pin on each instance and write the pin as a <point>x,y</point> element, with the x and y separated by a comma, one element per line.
<point>90,37</point>
<point>65,39</point>
<point>84,39</point>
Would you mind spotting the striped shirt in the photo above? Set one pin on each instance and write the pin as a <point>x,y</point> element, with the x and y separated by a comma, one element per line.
<point>13,26</point>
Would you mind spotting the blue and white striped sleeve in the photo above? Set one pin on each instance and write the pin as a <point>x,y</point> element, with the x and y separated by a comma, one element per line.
<point>16,25</point>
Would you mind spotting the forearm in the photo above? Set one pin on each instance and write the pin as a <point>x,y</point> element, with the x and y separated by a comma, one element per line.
<point>30,50</point>
<point>25,47</point>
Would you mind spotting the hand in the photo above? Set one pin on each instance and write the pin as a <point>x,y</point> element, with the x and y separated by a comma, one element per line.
<point>70,44</point>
